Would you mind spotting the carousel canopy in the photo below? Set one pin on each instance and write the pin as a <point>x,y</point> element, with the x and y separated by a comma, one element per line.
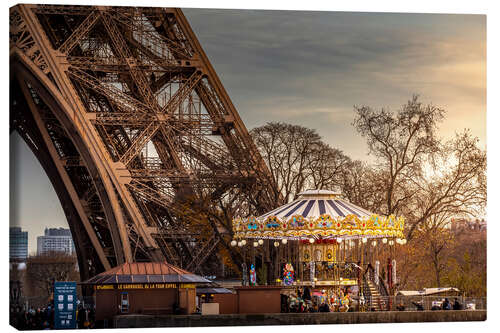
<point>318,214</point>
<point>315,203</point>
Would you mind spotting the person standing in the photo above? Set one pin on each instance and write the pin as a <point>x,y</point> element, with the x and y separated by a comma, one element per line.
<point>457,305</point>
<point>446,304</point>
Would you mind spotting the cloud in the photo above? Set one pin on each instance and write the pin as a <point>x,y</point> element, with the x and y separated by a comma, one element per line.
<point>287,65</point>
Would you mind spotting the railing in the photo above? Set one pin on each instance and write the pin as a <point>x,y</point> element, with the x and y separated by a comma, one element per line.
<point>427,303</point>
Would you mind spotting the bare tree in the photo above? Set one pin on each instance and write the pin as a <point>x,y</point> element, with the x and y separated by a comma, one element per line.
<point>361,184</point>
<point>298,159</point>
<point>401,142</point>
<point>419,175</point>
<point>455,185</point>
<point>43,270</point>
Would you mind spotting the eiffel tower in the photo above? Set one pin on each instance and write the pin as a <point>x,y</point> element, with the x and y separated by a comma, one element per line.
<point>144,148</point>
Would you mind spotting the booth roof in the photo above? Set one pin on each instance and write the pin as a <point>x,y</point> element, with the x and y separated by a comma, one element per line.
<point>146,272</point>
<point>210,290</point>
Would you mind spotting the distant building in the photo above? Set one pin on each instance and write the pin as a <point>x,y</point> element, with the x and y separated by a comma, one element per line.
<point>55,240</point>
<point>18,244</point>
<point>463,224</point>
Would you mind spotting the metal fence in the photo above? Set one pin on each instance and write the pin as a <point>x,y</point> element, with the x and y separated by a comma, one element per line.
<point>422,303</point>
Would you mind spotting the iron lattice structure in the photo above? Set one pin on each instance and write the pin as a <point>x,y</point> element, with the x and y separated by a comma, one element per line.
<point>134,129</point>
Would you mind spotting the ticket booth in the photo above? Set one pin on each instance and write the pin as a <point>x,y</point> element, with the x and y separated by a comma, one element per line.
<point>144,288</point>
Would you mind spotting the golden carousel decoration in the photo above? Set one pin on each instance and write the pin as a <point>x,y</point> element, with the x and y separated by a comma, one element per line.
<point>328,237</point>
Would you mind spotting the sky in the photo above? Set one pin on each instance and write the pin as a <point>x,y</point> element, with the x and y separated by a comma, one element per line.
<point>311,69</point>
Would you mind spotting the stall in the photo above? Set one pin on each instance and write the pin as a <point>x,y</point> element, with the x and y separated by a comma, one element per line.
<point>144,288</point>
<point>322,246</point>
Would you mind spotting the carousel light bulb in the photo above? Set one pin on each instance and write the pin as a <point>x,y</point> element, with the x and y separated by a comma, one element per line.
<point>374,243</point>
<point>240,244</point>
<point>276,244</point>
<point>384,240</point>
<point>311,240</point>
<point>284,241</point>
<point>403,241</point>
<point>255,244</point>
<point>261,242</point>
<point>244,242</point>
<point>339,240</point>
<point>364,240</point>
<point>391,242</point>
<point>234,243</point>
<point>398,240</point>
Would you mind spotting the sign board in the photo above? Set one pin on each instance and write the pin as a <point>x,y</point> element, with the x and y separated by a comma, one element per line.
<point>65,305</point>
<point>145,286</point>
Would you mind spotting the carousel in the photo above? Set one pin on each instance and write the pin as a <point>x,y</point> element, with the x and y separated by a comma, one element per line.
<point>322,245</point>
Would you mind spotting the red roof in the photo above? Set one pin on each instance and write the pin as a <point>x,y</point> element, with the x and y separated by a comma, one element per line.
<point>148,268</point>
<point>146,272</point>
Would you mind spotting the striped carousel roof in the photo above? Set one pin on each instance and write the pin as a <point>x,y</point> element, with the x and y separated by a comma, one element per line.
<point>318,213</point>
<point>314,203</point>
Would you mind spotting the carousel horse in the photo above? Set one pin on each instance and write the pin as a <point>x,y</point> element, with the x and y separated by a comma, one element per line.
<point>344,304</point>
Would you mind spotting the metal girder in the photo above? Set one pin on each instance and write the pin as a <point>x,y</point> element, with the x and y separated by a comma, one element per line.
<point>117,65</point>
<point>146,103</point>
<point>204,252</point>
<point>124,101</point>
<point>62,10</point>
<point>185,89</point>
<point>63,174</point>
<point>77,34</point>
<point>135,72</point>
<point>140,141</point>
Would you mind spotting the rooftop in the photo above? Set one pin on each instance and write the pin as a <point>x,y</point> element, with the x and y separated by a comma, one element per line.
<point>146,272</point>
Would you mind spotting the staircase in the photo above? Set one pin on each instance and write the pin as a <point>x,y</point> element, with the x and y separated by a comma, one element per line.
<point>377,302</point>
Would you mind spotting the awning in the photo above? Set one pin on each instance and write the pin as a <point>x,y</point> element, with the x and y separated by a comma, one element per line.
<point>427,291</point>
<point>200,291</point>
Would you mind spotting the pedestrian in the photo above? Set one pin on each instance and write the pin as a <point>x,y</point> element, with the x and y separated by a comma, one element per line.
<point>400,306</point>
<point>419,306</point>
<point>457,305</point>
<point>446,304</point>
<point>324,307</point>
<point>307,294</point>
